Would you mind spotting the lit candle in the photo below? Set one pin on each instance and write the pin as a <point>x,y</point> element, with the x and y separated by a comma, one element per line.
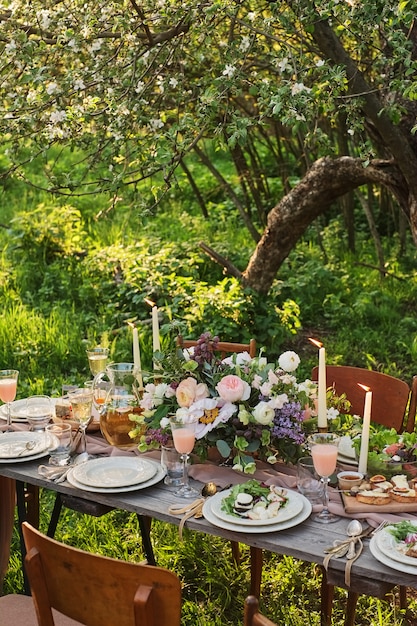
<point>363,455</point>
<point>322,387</point>
<point>136,357</point>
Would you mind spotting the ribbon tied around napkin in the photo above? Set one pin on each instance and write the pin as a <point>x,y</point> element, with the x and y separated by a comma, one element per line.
<point>194,509</point>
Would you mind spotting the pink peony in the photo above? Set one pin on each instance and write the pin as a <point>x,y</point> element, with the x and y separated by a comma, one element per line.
<point>189,391</point>
<point>233,389</point>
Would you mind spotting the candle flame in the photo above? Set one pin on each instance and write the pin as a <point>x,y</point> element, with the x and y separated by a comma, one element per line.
<point>364,387</point>
<point>316,343</point>
<point>148,301</point>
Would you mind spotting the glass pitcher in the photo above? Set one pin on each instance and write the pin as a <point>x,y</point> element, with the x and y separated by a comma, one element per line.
<point>116,397</point>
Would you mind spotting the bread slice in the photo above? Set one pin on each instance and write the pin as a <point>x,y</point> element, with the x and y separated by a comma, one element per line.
<point>374,497</point>
<point>382,486</point>
<point>400,481</point>
<point>404,496</point>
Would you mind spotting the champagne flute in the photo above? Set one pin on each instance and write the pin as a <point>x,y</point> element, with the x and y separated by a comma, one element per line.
<point>82,403</point>
<point>8,387</point>
<point>324,452</point>
<point>183,434</point>
<point>97,359</point>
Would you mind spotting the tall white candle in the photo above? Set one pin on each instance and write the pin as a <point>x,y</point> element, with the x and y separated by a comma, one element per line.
<point>155,330</point>
<point>322,387</point>
<point>363,455</point>
<point>136,357</point>
<point>322,403</point>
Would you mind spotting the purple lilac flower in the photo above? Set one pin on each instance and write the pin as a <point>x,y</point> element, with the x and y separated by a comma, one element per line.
<point>156,435</point>
<point>287,423</point>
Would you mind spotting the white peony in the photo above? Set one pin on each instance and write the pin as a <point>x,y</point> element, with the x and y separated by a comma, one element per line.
<point>289,361</point>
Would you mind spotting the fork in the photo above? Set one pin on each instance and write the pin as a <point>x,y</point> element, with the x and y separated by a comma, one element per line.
<point>380,527</point>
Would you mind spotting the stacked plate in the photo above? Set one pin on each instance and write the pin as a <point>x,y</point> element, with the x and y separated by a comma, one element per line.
<point>22,446</point>
<point>346,452</point>
<point>115,474</point>
<point>17,411</point>
<point>297,509</point>
<point>387,550</point>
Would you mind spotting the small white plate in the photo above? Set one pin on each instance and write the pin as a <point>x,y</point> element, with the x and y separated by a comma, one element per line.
<point>388,544</point>
<point>290,510</point>
<point>13,445</point>
<point>385,560</point>
<point>159,475</point>
<point>298,519</point>
<point>114,471</point>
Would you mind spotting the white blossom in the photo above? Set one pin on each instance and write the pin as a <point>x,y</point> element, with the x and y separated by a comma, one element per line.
<point>79,84</point>
<point>173,82</point>
<point>283,64</point>
<point>51,88</point>
<point>245,43</point>
<point>156,123</point>
<point>320,63</point>
<point>229,70</point>
<point>10,47</point>
<point>44,19</point>
<point>298,88</point>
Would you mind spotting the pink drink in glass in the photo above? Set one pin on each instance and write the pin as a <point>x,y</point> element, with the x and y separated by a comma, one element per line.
<point>184,439</point>
<point>8,388</point>
<point>324,458</point>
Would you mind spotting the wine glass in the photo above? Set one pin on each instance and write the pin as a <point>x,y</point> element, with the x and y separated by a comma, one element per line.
<point>97,359</point>
<point>183,435</point>
<point>39,412</point>
<point>324,452</point>
<point>82,403</point>
<point>8,387</point>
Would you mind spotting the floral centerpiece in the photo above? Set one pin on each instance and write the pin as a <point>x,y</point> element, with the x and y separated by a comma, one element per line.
<point>247,408</point>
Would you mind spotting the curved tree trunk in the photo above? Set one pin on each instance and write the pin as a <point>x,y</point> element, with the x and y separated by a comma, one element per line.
<point>327,180</point>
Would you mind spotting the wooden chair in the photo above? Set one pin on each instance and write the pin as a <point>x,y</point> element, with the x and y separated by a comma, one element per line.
<point>72,587</point>
<point>390,399</point>
<point>223,347</point>
<point>252,616</point>
<point>390,396</point>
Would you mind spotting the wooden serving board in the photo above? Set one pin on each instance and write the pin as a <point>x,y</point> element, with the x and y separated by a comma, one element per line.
<point>353,506</point>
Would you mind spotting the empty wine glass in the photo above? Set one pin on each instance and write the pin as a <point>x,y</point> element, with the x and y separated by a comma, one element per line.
<point>39,412</point>
<point>8,387</point>
<point>183,435</point>
<point>82,403</point>
<point>324,452</point>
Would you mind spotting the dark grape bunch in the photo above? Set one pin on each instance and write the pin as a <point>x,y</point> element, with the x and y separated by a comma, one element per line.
<point>204,351</point>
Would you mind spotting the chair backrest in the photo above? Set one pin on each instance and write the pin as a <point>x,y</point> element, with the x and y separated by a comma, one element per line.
<point>390,396</point>
<point>223,347</point>
<point>251,615</point>
<point>97,590</point>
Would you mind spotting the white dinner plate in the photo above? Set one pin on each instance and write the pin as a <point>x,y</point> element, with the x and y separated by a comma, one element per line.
<point>385,560</point>
<point>13,445</point>
<point>114,471</point>
<point>158,476</point>
<point>17,410</point>
<point>290,510</point>
<point>388,544</point>
<point>294,521</point>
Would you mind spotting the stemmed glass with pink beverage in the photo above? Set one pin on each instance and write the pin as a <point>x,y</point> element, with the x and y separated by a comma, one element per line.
<point>323,448</point>
<point>183,435</point>
<point>8,387</point>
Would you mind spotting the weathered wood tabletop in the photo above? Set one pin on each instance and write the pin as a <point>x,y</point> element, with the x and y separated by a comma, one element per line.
<point>305,541</point>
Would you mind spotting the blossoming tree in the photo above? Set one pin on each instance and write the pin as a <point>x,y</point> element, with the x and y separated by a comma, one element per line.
<point>325,91</point>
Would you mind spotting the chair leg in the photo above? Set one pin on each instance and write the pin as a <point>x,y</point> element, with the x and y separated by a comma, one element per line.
<point>255,571</point>
<point>326,597</point>
<point>351,603</point>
